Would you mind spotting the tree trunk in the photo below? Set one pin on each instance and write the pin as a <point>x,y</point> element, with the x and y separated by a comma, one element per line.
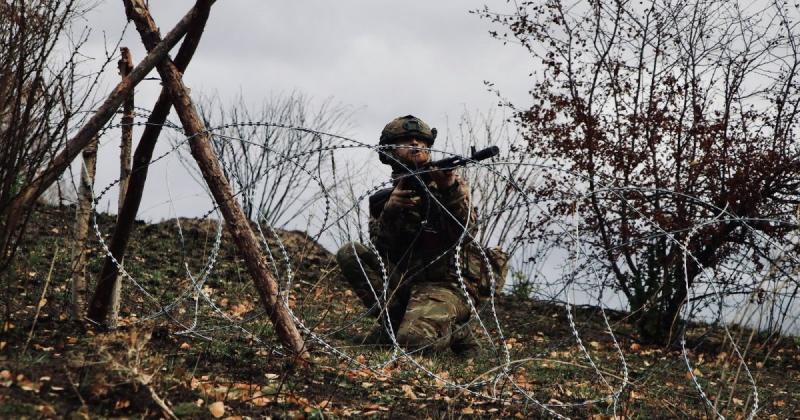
<point>657,323</point>
<point>83,213</point>
<point>125,66</point>
<point>221,190</point>
<point>144,150</point>
<point>15,215</point>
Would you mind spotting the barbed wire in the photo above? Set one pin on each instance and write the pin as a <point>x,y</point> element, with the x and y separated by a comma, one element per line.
<point>335,212</point>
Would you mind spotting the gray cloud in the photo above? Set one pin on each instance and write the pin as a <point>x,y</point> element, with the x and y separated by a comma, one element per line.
<point>389,57</point>
<point>385,58</point>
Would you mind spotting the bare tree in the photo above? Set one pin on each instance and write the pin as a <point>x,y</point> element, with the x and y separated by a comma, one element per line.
<point>39,93</point>
<point>500,187</point>
<point>34,153</point>
<point>83,213</point>
<point>677,120</point>
<point>271,155</point>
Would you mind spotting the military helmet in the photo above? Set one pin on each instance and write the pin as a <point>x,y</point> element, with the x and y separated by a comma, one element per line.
<point>407,126</point>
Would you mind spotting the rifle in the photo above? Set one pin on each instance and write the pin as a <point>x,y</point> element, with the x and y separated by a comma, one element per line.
<point>420,175</point>
<point>453,162</point>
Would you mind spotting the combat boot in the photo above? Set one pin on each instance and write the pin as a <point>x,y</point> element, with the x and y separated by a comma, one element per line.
<point>377,336</point>
<point>463,341</point>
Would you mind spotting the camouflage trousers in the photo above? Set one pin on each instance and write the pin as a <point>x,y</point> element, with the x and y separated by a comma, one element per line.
<point>425,314</point>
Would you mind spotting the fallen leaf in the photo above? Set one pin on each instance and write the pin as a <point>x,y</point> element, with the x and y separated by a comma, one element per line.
<point>594,344</point>
<point>217,409</point>
<point>409,392</point>
<point>185,346</point>
<point>259,400</point>
<point>467,410</point>
<point>239,309</point>
<point>47,410</point>
<point>29,386</point>
<point>635,347</point>
<point>81,413</point>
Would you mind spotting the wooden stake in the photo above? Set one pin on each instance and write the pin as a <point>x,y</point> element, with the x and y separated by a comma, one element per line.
<point>236,222</point>
<point>144,153</point>
<point>125,65</point>
<point>83,213</point>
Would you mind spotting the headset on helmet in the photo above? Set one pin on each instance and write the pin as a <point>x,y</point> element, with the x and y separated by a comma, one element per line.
<point>407,126</point>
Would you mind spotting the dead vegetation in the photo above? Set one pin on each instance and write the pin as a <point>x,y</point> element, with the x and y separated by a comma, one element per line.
<point>227,362</point>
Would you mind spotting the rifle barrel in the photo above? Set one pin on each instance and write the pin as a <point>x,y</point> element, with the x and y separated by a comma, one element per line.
<point>456,161</point>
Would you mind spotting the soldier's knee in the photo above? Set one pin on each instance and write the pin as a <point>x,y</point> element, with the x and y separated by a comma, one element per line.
<point>357,265</point>
<point>411,340</point>
<point>345,253</point>
<point>421,335</point>
<point>351,251</point>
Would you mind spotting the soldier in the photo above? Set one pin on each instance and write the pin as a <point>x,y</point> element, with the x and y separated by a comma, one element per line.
<point>415,231</point>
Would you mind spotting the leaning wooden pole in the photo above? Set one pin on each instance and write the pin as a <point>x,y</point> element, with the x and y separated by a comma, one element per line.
<point>236,222</point>
<point>125,66</point>
<point>144,152</point>
<point>14,217</point>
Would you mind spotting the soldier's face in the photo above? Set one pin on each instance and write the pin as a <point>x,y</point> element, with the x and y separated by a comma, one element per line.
<point>412,151</point>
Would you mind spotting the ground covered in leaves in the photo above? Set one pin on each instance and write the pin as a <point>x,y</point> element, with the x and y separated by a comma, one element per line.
<point>175,353</point>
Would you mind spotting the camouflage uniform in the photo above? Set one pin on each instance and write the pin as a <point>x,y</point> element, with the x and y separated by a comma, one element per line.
<point>424,298</point>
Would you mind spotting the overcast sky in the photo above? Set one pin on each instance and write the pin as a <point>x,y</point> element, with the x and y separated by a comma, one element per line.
<point>383,58</point>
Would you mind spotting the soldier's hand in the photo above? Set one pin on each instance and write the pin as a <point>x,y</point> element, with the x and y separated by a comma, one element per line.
<point>444,179</point>
<point>400,199</point>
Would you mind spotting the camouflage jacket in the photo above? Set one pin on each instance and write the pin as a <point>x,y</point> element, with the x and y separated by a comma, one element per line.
<point>421,241</point>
